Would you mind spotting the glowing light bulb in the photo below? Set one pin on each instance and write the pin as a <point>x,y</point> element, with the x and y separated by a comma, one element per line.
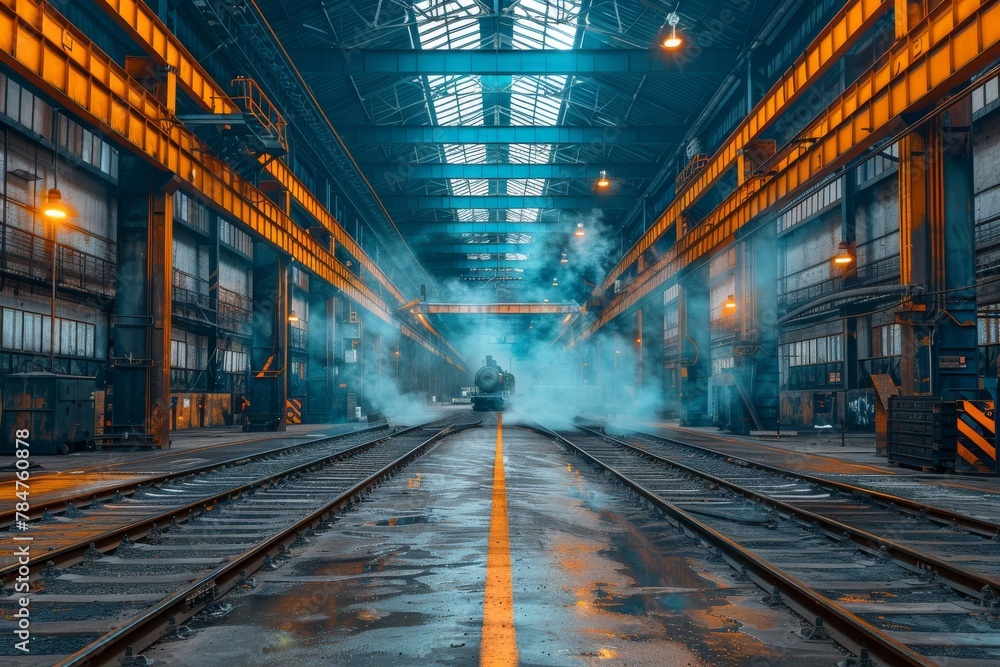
<point>672,41</point>
<point>55,207</point>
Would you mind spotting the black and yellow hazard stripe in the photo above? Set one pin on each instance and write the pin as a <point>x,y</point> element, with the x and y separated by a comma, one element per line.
<point>976,445</point>
<point>293,411</point>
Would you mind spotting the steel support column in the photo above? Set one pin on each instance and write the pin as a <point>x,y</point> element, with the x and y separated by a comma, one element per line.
<point>140,361</point>
<point>214,371</point>
<point>848,229</point>
<point>757,348</point>
<point>936,229</point>
<point>651,382</point>
<point>320,379</point>
<point>695,347</point>
<point>269,349</point>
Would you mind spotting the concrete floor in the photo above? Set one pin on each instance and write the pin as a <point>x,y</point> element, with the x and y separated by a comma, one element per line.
<point>401,579</point>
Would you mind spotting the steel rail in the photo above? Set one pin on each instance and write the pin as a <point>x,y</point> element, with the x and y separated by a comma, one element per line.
<point>850,630</point>
<point>72,554</point>
<point>61,504</point>
<point>961,579</point>
<point>143,629</point>
<point>981,527</point>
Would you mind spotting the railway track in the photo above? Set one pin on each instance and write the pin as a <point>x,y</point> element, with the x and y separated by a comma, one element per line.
<point>92,608</point>
<point>910,495</point>
<point>900,587</point>
<point>127,481</point>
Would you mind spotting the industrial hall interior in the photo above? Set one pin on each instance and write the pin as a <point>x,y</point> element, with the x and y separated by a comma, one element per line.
<point>269,270</point>
<point>754,215</point>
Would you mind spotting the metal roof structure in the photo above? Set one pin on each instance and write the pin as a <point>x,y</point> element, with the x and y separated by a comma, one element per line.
<point>483,127</point>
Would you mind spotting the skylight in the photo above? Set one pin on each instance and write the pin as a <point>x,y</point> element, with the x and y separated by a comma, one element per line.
<point>545,24</point>
<point>486,237</point>
<point>458,100</point>
<point>526,187</point>
<point>522,215</point>
<point>451,24</point>
<point>473,215</point>
<point>465,153</point>
<point>529,153</point>
<point>506,256</point>
<point>534,100</point>
<point>470,186</point>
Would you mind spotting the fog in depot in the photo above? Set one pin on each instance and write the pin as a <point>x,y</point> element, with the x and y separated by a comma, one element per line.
<point>598,378</point>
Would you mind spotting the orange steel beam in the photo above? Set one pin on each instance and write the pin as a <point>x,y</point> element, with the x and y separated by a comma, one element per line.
<point>498,308</point>
<point>826,49</point>
<point>951,44</point>
<point>40,44</point>
<point>144,27</point>
<point>300,193</point>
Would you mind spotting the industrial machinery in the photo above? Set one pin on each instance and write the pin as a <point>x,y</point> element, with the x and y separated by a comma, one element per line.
<point>932,434</point>
<point>494,387</point>
<point>56,411</point>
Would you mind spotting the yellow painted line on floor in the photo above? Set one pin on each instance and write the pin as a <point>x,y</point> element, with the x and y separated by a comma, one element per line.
<point>499,644</point>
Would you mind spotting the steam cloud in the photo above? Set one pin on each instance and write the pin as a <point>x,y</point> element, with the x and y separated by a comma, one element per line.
<point>597,379</point>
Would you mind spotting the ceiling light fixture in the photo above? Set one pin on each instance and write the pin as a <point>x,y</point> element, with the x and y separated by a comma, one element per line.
<point>603,181</point>
<point>55,207</point>
<point>564,259</point>
<point>843,256</point>
<point>672,41</point>
<point>730,303</point>
<point>579,229</point>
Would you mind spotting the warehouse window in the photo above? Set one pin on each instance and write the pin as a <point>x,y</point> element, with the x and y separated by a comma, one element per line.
<point>887,341</point>
<point>721,363</point>
<point>988,324</point>
<point>188,350</point>
<point>814,351</point>
<point>30,332</point>
<point>234,361</point>
<point>235,239</point>
<point>178,354</point>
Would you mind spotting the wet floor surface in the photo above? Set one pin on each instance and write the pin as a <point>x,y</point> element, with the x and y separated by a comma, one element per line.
<point>401,579</point>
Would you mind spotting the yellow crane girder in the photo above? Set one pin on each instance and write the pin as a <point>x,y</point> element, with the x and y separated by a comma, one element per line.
<point>499,308</point>
<point>43,46</point>
<point>951,44</point>
<point>143,26</point>
<point>850,23</point>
